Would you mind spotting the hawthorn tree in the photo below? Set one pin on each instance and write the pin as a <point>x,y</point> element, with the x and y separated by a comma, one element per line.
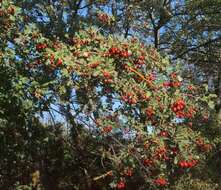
<point>187,30</point>
<point>112,109</point>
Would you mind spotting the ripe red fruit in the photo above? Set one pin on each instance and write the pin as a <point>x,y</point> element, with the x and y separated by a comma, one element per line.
<point>178,106</point>
<point>106,75</point>
<point>175,84</point>
<point>41,46</point>
<point>59,62</point>
<point>187,164</point>
<point>149,112</point>
<point>181,164</point>
<point>163,134</point>
<point>121,185</point>
<point>129,98</point>
<point>141,57</point>
<point>147,162</point>
<point>107,81</point>
<point>107,129</point>
<point>166,84</point>
<point>174,150</point>
<point>160,181</point>
<point>114,51</point>
<point>94,65</point>
<point>180,114</point>
<point>190,87</point>
<point>125,54</point>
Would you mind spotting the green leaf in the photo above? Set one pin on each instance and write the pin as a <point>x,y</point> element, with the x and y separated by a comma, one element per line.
<point>211,104</point>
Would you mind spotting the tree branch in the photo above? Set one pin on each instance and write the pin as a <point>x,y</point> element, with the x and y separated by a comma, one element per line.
<point>196,47</point>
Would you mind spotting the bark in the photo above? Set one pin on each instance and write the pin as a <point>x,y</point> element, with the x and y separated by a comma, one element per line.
<point>219,98</point>
<point>156,38</point>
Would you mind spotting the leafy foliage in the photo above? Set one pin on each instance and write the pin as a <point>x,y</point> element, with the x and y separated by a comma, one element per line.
<point>93,111</point>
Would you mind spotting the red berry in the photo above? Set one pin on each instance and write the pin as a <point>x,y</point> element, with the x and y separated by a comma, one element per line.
<point>125,54</point>
<point>94,65</point>
<point>167,84</point>
<point>147,162</point>
<point>41,46</point>
<point>181,164</point>
<point>106,75</point>
<point>141,58</point>
<point>178,106</point>
<point>149,112</point>
<point>121,185</point>
<point>59,62</point>
<point>160,181</point>
<point>163,134</point>
<point>107,129</point>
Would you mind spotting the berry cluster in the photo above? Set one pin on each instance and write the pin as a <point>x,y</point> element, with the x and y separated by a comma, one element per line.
<point>41,46</point>
<point>114,51</point>
<point>179,105</point>
<point>160,181</point>
<point>147,162</point>
<point>190,88</point>
<point>149,112</point>
<point>174,84</point>
<point>94,65</point>
<point>107,77</point>
<point>129,98</point>
<point>107,129</point>
<point>187,163</point>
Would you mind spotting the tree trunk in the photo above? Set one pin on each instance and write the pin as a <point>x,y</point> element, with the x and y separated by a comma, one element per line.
<point>156,38</point>
<point>219,98</point>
